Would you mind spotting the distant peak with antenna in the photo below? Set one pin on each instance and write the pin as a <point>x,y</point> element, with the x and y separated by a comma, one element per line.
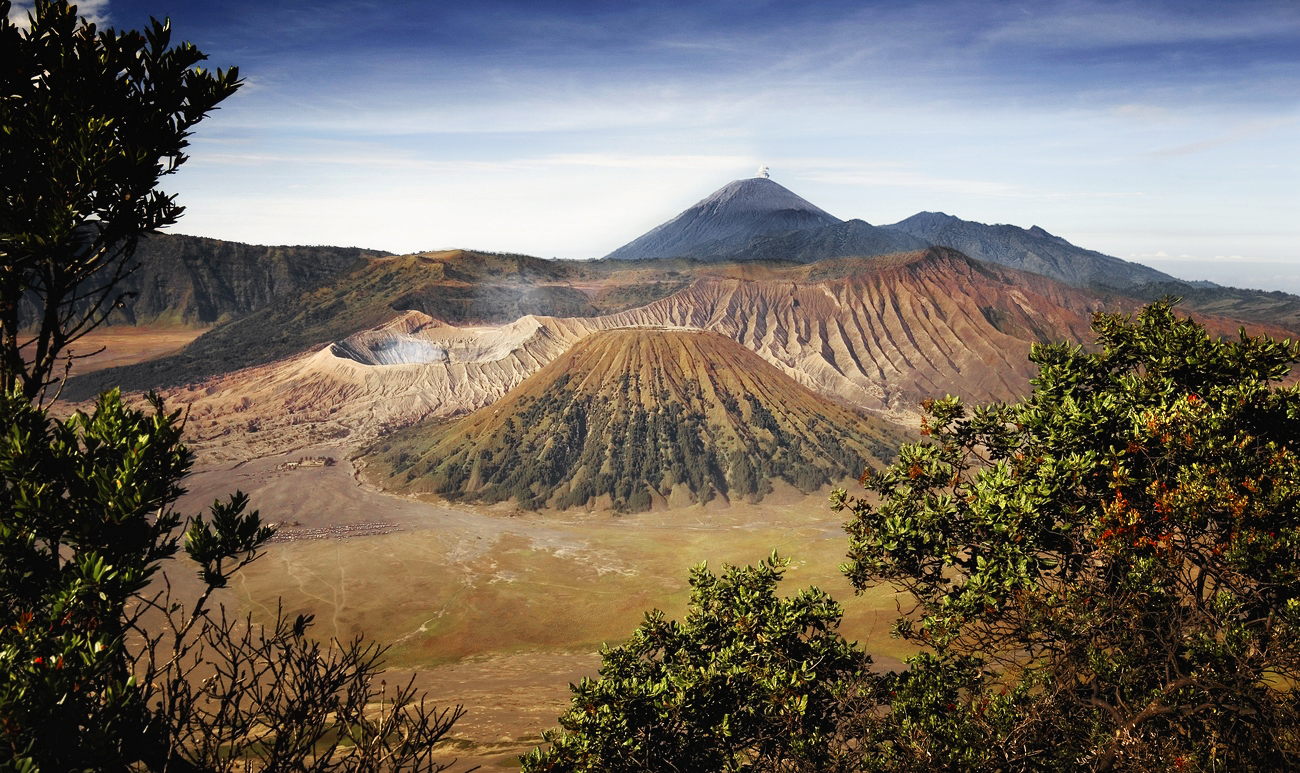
<point>763,174</point>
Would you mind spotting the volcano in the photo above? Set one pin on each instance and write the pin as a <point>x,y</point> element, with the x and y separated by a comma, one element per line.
<point>630,418</point>
<point>726,221</point>
<point>758,219</point>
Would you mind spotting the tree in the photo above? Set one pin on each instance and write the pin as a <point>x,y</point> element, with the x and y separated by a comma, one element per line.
<point>106,670</point>
<point>92,119</point>
<point>74,548</point>
<point>1111,566</point>
<point>103,669</point>
<point>748,682</point>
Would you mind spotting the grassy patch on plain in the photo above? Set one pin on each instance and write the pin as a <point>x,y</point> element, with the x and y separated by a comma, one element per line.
<point>542,583</point>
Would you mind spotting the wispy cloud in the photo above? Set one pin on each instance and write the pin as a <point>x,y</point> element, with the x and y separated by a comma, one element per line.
<point>1247,131</point>
<point>1164,256</point>
<point>896,176</point>
<point>1147,113</point>
<point>645,162</point>
<point>1082,25</point>
<point>349,154</point>
<point>889,175</point>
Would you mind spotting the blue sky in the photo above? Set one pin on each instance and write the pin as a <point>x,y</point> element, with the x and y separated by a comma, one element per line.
<point>1167,133</point>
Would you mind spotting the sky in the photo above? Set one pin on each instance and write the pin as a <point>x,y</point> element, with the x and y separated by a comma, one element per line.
<point>1162,132</point>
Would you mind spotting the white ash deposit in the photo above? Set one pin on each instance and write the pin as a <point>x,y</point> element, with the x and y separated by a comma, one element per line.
<point>389,349</point>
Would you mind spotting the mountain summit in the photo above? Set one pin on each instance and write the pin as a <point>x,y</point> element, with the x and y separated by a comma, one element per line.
<point>727,220</point>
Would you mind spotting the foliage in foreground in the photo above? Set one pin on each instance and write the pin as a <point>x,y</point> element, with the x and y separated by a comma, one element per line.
<point>1123,546</point>
<point>102,668</point>
<point>91,120</point>
<point>106,670</point>
<point>748,681</point>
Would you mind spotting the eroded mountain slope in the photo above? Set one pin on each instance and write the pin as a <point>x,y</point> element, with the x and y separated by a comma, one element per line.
<point>631,417</point>
<point>885,333</point>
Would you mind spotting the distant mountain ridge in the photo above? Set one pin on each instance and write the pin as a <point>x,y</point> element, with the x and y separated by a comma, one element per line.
<point>878,334</point>
<point>193,281</point>
<point>1032,249</point>
<point>758,219</point>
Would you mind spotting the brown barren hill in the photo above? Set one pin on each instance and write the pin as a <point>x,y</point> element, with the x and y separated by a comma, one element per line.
<point>631,419</point>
